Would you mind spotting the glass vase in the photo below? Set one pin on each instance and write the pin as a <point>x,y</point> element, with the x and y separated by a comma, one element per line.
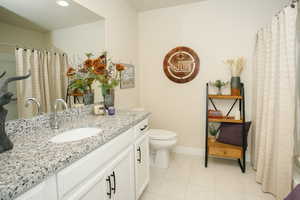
<point>88,98</point>
<point>235,84</point>
<point>108,97</point>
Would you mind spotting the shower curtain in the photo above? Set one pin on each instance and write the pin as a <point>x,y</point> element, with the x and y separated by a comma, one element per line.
<point>274,100</point>
<point>47,82</point>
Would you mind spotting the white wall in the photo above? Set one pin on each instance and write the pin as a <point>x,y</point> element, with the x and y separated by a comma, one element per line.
<point>121,40</point>
<point>216,30</point>
<point>20,36</point>
<point>80,39</point>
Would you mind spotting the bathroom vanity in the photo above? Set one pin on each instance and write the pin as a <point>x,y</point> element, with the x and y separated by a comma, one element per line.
<point>113,164</point>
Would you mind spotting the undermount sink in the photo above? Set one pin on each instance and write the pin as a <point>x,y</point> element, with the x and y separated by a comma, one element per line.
<point>75,135</point>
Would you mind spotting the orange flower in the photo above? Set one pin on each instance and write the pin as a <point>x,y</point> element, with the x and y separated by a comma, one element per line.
<point>88,63</point>
<point>98,63</point>
<point>120,67</point>
<point>99,66</point>
<point>71,71</point>
<point>99,71</point>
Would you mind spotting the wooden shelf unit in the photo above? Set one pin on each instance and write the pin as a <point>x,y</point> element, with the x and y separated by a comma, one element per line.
<point>217,149</point>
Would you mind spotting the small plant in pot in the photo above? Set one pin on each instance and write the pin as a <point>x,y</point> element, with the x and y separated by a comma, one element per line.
<point>213,132</point>
<point>219,84</point>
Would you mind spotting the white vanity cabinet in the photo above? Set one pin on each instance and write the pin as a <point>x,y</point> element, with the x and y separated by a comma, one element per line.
<point>118,170</point>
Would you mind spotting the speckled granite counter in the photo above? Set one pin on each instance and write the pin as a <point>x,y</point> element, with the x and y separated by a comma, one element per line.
<point>34,157</point>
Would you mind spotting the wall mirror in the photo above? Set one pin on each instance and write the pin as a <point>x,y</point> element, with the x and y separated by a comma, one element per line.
<point>46,36</point>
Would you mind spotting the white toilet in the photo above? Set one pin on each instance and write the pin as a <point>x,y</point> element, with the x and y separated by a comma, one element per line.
<point>161,143</point>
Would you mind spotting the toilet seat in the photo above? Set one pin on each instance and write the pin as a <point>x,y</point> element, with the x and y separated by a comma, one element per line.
<point>159,134</point>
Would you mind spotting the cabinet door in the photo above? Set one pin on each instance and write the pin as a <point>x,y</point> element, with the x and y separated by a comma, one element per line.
<point>122,178</point>
<point>141,164</point>
<point>97,187</point>
<point>97,192</point>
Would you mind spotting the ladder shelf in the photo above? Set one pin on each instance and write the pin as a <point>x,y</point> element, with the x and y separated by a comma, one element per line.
<point>217,149</point>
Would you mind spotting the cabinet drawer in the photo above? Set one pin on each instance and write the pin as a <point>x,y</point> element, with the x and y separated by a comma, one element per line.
<point>229,153</point>
<point>141,128</point>
<point>224,150</point>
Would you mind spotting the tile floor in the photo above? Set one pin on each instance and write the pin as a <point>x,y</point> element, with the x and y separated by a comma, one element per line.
<point>187,179</point>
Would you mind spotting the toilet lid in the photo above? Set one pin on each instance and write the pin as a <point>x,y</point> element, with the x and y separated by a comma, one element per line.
<point>159,134</point>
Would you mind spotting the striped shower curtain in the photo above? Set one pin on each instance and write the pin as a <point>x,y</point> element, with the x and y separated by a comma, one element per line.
<point>47,82</point>
<point>274,103</point>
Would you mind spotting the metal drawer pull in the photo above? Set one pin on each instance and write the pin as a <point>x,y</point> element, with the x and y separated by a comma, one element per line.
<point>140,155</point>
<point>115,185</point>
<point>145,127</point>
<point>109,185</point>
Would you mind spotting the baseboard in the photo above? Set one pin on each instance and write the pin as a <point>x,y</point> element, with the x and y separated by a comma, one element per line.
<point>189,151</point>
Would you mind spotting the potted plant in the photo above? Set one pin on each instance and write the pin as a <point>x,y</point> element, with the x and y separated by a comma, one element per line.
<point>213,131</point>
<point>236,67</point>
<point>219,84</point>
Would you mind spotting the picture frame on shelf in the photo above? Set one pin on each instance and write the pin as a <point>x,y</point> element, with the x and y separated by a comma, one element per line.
<point>127,79</point>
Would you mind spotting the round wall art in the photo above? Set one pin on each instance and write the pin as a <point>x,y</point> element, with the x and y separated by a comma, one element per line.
<point>181,64</point>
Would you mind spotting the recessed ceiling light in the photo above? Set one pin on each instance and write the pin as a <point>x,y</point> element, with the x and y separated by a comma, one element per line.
<point>62,3</point>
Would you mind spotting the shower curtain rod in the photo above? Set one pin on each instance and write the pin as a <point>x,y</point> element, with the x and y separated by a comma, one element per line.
<point>15,46</point>
<point>26,48</point>
<point>291,4</point>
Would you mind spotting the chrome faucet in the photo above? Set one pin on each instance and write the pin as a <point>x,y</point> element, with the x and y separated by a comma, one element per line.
<point>32,100</point>
<point>55,124</point>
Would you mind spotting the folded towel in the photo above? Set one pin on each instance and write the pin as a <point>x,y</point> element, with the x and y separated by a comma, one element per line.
<point>295,194</point>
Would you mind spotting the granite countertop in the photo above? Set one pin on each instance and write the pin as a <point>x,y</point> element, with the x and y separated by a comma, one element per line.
<point>34,157</point>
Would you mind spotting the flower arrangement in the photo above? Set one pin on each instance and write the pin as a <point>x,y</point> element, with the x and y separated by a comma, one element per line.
<point>236,65</point>
<point>98,69</point>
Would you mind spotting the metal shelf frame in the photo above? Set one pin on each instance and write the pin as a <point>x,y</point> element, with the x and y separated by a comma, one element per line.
<point>241,101</point>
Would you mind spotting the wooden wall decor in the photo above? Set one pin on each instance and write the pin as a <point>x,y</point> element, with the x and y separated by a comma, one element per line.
<point>181,64</point>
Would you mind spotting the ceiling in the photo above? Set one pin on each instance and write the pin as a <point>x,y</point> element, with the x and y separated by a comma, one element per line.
<point>44,15</point>
<point>144,5</point>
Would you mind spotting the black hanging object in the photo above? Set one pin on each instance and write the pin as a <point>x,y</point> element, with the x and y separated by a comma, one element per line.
<point>5,98</point>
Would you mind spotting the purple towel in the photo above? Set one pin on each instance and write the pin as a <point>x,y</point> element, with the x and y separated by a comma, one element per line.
<point>295,194</point>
